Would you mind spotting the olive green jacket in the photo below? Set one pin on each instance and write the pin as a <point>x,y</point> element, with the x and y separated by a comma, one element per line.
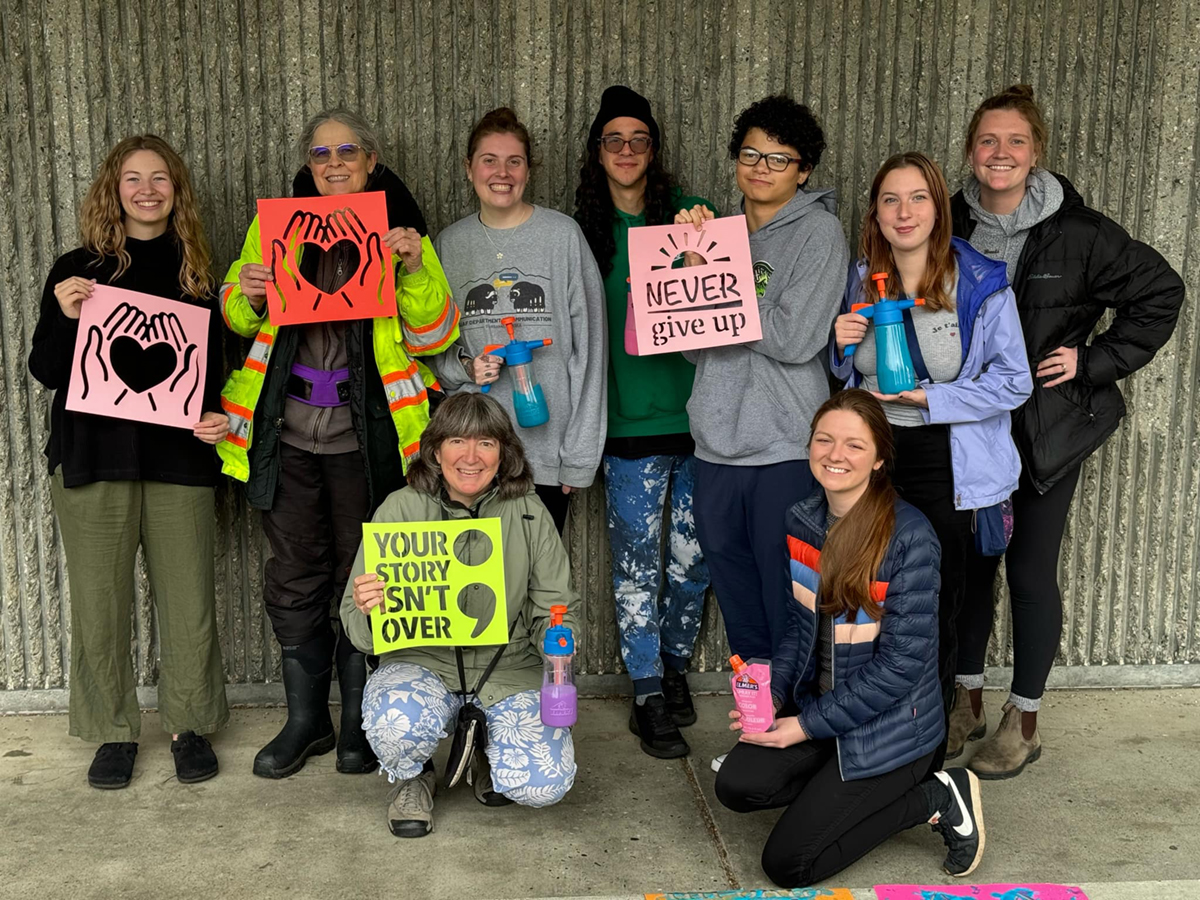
<point>536,574</point>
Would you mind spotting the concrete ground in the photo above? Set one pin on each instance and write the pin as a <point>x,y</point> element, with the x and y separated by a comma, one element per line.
<point>1113,805</point>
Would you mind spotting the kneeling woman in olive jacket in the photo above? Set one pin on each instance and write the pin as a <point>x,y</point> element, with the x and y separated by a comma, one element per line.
<point>472,465</point>
<point>855,680</point>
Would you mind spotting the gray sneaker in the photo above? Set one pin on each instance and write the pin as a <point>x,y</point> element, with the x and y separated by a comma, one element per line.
<point>410,808</point>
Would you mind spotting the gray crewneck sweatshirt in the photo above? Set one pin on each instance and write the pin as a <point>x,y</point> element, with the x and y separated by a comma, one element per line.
<point>1003,237</point>
<point>752,403</point>
<point>541,273</point>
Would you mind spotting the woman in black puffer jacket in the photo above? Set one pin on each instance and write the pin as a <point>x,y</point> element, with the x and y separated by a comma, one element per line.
<point>1068,264</point>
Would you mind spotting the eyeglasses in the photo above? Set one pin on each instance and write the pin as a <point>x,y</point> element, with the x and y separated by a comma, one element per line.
<point>776,162</point>
<point>345,152</point>
<point>614,144</point>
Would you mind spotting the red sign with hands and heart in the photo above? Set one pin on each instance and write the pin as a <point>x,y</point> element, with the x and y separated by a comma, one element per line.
<point>352,225</point>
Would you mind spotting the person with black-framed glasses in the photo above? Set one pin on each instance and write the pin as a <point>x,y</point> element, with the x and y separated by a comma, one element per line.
<point>648,454</point>
<point>752,403</point>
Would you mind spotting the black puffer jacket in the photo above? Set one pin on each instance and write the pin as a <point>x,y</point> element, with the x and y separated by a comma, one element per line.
<point>1074,266</point>
<point>368,403</point>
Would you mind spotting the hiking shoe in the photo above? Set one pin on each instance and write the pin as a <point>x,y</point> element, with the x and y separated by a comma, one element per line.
<point>480,777</point>
<point>194,758</point>
<point>410,808</point>
<point>1006,753</point>
<point>958,816</point>
<point>678,697</point>
<point>964,725</point>
<point>112,767</point>
<point>651,721</point>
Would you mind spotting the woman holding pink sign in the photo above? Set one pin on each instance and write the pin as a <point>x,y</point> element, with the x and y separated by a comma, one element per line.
<point>326,418</point>
<point>855,681</point>
<point>118,483</point>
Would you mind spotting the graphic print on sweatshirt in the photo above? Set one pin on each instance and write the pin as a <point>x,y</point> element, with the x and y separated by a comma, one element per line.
<point>507,292</point>
<point>762,274</point>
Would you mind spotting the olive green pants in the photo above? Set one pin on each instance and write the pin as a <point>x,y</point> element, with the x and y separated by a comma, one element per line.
<point>102,525</point>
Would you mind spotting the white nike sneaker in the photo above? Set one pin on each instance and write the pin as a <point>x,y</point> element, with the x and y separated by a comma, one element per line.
<point>961,825</point>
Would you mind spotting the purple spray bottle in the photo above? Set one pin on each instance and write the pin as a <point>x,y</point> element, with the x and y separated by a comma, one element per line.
<point>558,675</point>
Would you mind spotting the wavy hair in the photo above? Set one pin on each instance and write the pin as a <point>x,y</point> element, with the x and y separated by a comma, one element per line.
<point>856,544</point>
<point>102,220</point>
<point>874,248</point>
<point>594,207</point>
<point>472,415</point>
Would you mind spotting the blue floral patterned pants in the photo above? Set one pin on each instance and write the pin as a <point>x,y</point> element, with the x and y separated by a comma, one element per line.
<point>654,617</point>
<point>407,709</point>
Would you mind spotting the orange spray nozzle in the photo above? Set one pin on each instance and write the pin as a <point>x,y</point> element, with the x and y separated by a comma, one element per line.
<point>556,614</point>
<point>920,301</point>
<point>736,662</point>
<point>880,279</point>
<point>507,322</point>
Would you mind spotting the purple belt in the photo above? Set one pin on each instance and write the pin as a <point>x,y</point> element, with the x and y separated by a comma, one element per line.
<point>318,387</point>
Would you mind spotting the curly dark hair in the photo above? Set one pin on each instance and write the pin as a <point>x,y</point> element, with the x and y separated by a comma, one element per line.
<point>594,206</point>
<point>785,121</point>
<point>472,415</point>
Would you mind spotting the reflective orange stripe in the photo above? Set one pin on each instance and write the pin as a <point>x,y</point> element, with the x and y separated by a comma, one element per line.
<point>412,449</point>
<point>236,441</point>
<point>265,338</point>
<point>256,365</point>
<point>405,373</point>
<point>414,400</point>
<point>229,406</point>
<point>422,329</point>
<point>224,304</point>
<point>419,348</point>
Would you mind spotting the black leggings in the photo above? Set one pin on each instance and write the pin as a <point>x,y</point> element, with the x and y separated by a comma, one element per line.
<point>828,823</point>
<point>925,478</point>
<point>1031,564</point>
<point>556,502</point>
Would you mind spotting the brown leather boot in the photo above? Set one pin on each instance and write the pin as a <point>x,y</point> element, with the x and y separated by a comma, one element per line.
<point>964,726</point>
<point>1006,752</point>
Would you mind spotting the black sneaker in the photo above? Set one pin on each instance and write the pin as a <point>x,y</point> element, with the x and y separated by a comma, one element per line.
<point>651,721</point>
<point>679,698</point>
<point>112,767</point>
<point>959,820</point>
<point>194,758</point>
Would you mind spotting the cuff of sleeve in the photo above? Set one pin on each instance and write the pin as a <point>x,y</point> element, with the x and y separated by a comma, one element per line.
<point>935,414</point>
<point>412,281</point>
<point>65,326</point>
<point>577,476</point>
<point>1093,369</point>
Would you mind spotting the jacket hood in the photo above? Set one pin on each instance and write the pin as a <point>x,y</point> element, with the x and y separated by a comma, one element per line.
<point>1044,196</point>
<point>824,199</point>
<point>402,210</point>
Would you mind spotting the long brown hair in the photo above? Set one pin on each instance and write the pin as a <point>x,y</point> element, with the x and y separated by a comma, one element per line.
<point>102,220</point>
<point>472,416</point>
<point>1018,97</point>
<point>874,248</point>
<point>854,549</point>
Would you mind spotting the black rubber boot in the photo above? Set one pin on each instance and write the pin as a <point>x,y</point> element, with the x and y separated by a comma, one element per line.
<point>354,753</point>
<point>307,673</point>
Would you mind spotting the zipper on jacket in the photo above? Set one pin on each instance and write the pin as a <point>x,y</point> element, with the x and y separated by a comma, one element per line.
<point>837,740</point>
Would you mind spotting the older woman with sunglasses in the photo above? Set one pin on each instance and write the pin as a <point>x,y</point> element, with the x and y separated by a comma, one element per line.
<point>328,429</point>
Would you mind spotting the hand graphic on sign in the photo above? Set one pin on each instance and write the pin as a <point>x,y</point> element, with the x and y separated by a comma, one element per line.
<point>342,230</point>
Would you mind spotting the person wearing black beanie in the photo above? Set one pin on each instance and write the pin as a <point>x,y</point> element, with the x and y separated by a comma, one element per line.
<point>648,451</point>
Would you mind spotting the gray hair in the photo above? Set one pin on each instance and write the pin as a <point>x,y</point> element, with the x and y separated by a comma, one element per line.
<point>365,134</point>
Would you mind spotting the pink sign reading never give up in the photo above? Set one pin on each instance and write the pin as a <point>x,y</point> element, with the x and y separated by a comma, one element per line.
<point>691,288</point>
<point>139,357</point>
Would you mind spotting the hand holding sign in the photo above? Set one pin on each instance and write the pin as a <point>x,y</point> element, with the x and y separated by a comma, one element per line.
<point>692,283</point>
<point>361,284</point>
<point>136,353</point>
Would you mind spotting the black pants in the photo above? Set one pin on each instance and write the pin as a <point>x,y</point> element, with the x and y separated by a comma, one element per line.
<point>556,502</point>
<point>828,823</point>
<point>314,528</point>
<point>740,512</point>
<point>1031,564</point>
<point>925,479</point>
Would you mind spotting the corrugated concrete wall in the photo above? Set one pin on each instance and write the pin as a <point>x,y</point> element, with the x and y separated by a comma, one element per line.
<point>229,84</point>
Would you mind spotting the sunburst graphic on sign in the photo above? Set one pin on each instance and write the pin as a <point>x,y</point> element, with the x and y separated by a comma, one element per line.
<point>699,248</point>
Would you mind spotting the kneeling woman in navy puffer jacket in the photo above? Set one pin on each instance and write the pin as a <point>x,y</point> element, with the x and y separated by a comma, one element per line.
<point>855,681</point>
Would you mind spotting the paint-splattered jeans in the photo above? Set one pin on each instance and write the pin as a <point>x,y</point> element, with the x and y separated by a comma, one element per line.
<point>653,617</point>
<point>406,710</point>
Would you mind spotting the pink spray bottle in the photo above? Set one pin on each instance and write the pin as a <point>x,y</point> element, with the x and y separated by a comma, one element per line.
<point>751,683</point>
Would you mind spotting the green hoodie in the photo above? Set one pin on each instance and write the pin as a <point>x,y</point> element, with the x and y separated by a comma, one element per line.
<point>647,395</point>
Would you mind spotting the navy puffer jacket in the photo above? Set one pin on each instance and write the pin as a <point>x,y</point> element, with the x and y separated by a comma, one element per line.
<point>885,707</point>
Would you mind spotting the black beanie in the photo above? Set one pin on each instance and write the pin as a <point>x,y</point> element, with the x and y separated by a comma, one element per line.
<point>617,101</point>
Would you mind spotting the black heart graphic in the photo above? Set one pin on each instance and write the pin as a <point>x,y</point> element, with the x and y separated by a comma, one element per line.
<point>140,366</point>
<point>350,258</point>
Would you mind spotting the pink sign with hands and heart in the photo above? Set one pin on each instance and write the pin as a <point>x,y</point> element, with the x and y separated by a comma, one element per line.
<point>691,289</point>
<point>139,357</point>
<point>364,285</point>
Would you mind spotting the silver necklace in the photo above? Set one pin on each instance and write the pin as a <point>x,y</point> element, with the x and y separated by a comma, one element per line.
<point>511,231</point>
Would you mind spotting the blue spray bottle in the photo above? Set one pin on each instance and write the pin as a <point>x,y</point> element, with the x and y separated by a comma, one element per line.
<point>528,401</point>
<point>893,364</point>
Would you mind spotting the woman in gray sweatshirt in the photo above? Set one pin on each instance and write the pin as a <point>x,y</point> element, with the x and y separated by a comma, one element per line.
<point>529,268</point>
